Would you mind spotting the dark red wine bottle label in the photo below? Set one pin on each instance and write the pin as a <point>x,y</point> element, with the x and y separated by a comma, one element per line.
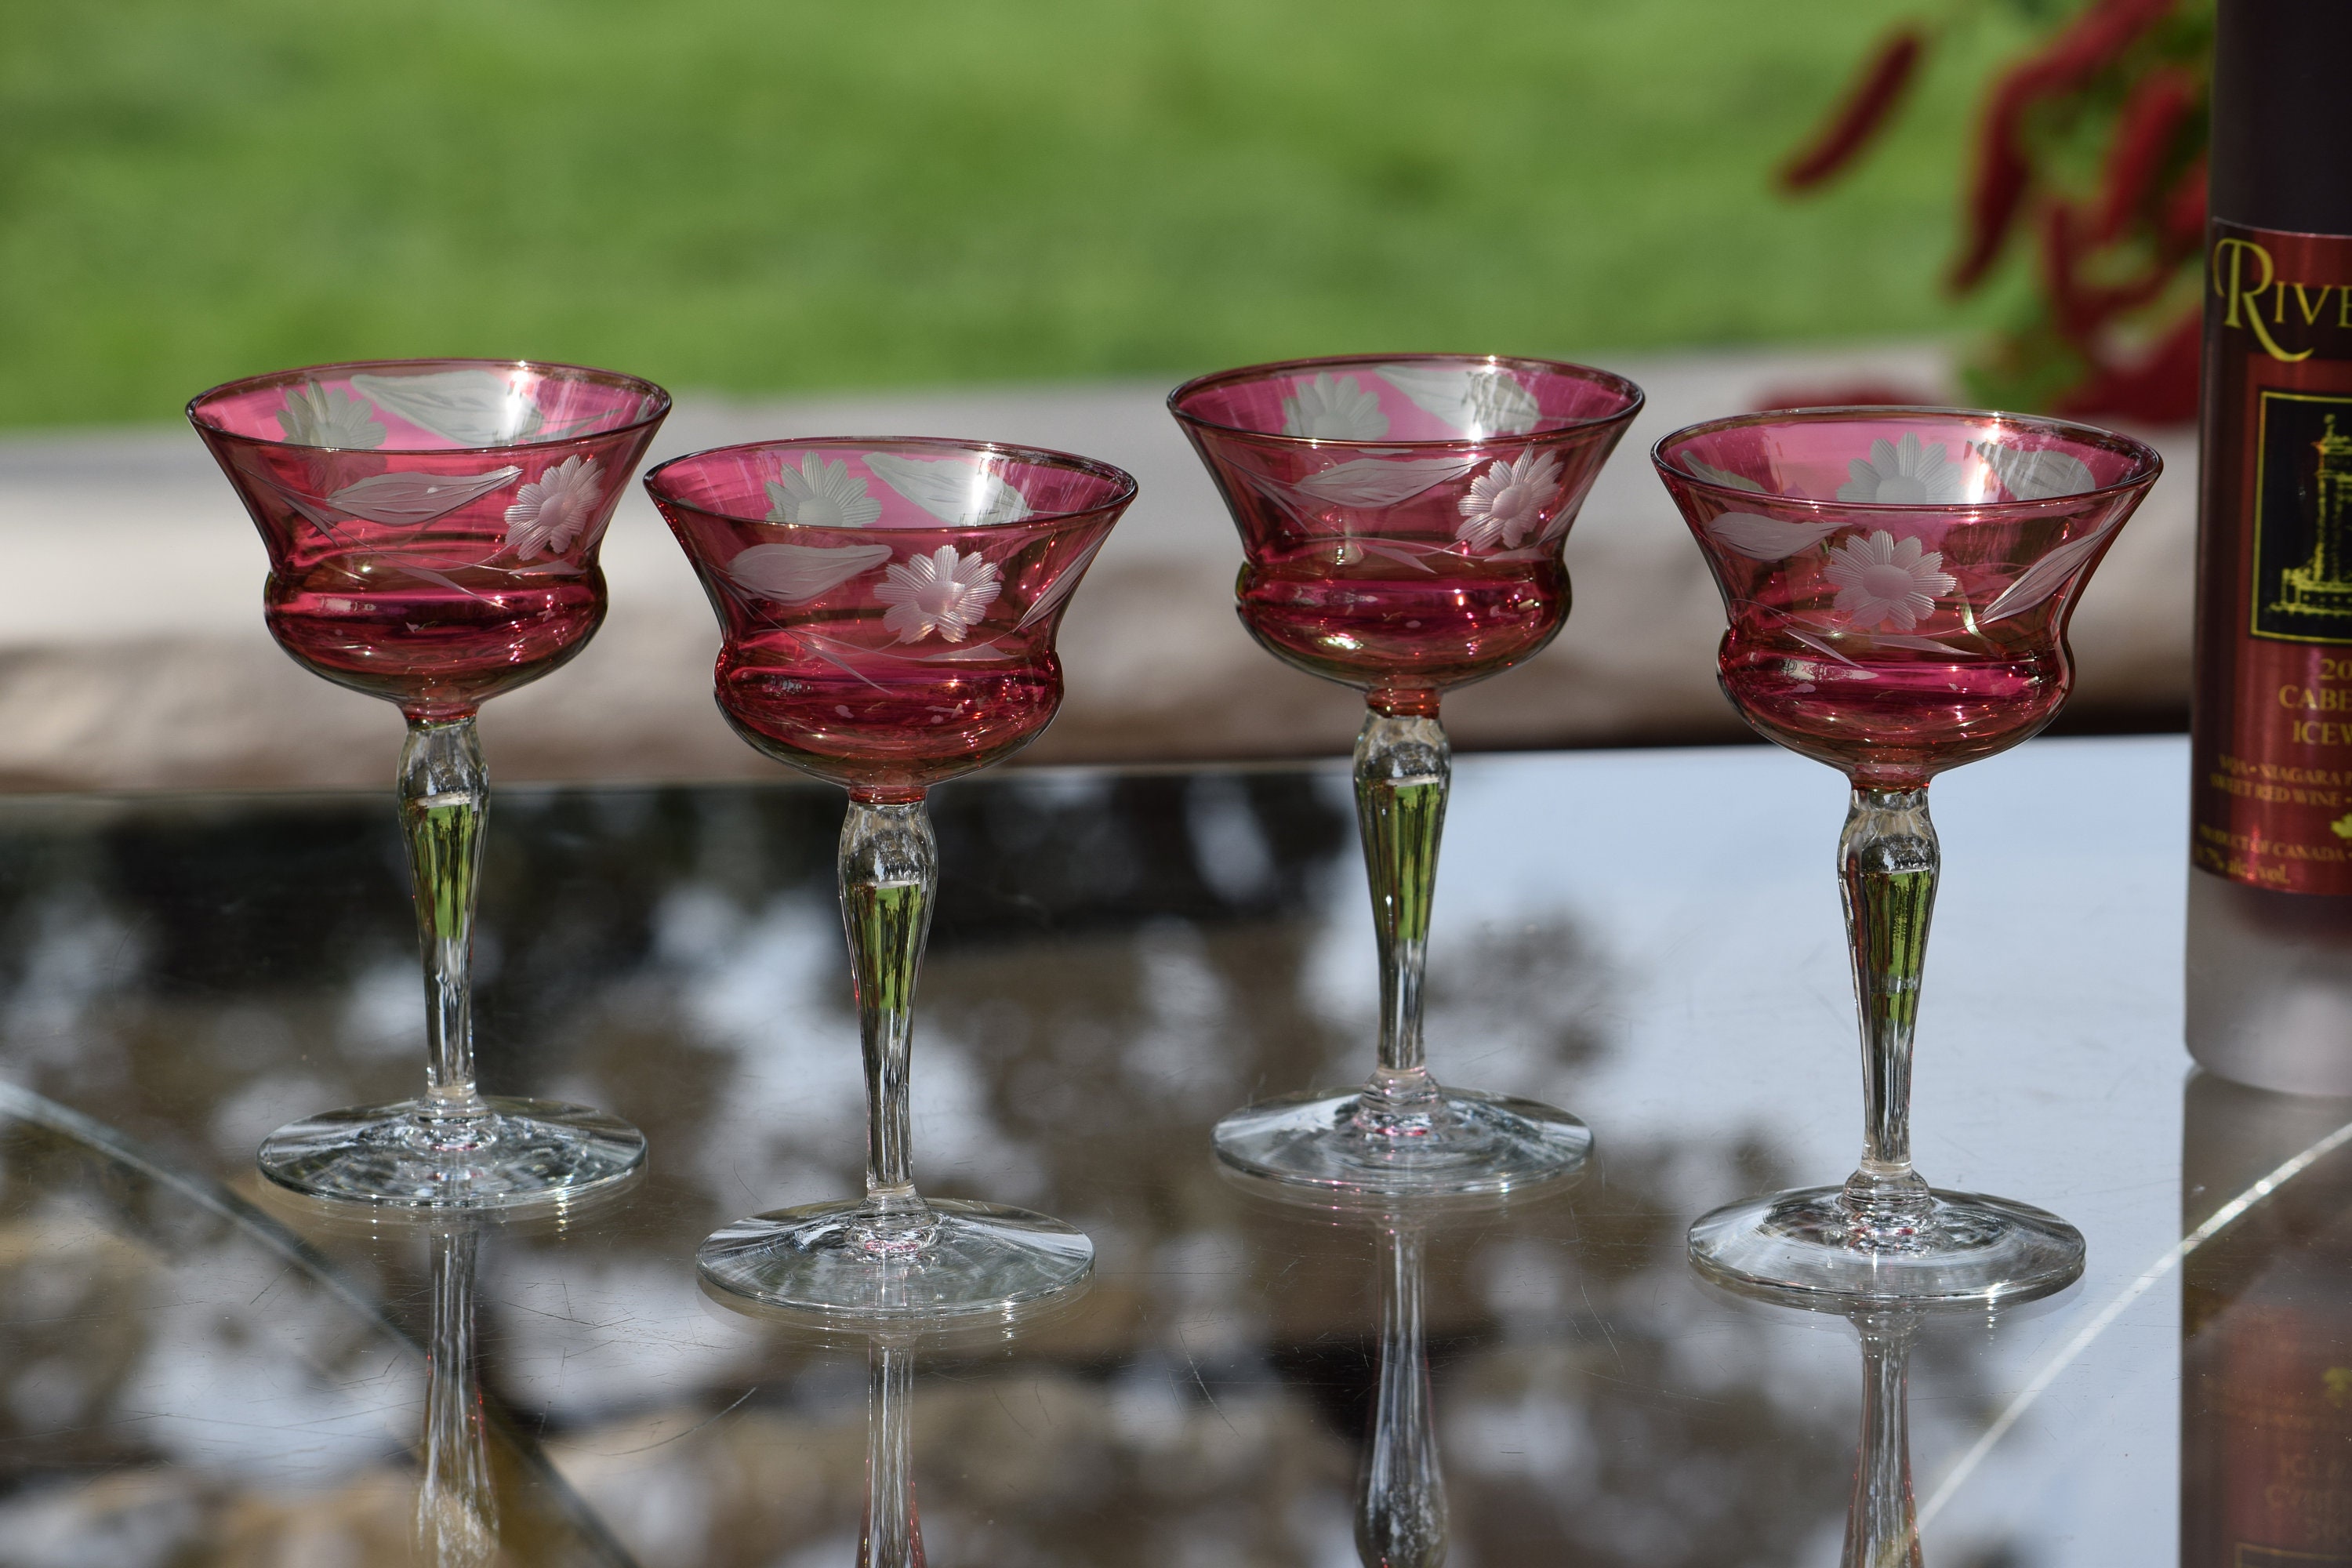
<point>2272,799</point>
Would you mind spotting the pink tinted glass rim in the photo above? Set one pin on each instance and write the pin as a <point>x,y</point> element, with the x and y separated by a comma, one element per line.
<point>550,369</point>
<point>1123,483</point>
<point>2148,463</point>
<point>1633,397</point>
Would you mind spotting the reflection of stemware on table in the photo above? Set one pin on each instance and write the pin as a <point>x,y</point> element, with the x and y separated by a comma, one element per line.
<point>457,1499</point>
<point>1401,522</point>
<point>433,528</point>
<point>889,1535</point>
<point>1401,1506</point>
<point>2265,1328</point>
<point>1881,1522</point>
<point>889,610</point>
<point>1400,1512</point>
<point>1882,1519</point>
<point>1897,583</point>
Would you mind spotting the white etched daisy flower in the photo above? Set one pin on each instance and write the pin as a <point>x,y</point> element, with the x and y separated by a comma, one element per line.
<point>317,416</point>
<point>1885,582</point>
<point>821,495</point>
<point>943,592</point>
<point>1324,409</point>
<point>549,511</point>
<point>1909,474</point>
<point>1507,501</point>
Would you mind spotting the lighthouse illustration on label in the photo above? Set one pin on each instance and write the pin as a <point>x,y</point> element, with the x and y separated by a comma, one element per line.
<point>2302,534</point>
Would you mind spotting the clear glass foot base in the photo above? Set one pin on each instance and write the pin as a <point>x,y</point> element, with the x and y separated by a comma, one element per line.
<point>832,1258</point>
<point>504,1154</point>
<point>1460,1142</point>
<point>1801,1245</point>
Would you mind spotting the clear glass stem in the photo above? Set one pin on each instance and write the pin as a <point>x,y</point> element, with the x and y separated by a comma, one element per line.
<point>891,1536</point>
<point>1882,1525</point>
<point>889,871</point>
<point>445,796</point>
<point>1400,1518</point>
<point>456,1502</point>
<point>1403,768</point>
<point>1887,864</point>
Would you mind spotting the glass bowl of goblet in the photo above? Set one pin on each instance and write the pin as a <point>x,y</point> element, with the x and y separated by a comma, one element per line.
<point>888,609</point>
<point>432,528</point>
<point>1897,583</point>
<point>1401,522</point>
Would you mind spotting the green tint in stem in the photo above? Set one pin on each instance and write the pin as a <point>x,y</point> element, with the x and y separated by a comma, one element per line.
<point>445,794</point>
<point>889,869</point>
<point>1887,864</point>
<point>1403,766</point>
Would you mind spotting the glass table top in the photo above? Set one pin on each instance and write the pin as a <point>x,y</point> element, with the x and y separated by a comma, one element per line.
<point>193,1371</point>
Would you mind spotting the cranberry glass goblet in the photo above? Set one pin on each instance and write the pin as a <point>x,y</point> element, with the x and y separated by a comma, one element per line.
<point>432,528</point>
<point>1898,582</point>
<point>888,609</point>
<point>1402,520</point>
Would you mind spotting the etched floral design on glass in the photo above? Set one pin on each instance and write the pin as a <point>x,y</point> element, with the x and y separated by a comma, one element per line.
<point>1401,522</point>
<point>432,528</point>
<point>1897,583</point>
<point>887,611</point>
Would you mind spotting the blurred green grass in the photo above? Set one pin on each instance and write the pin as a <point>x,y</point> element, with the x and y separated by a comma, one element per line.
<point>761,196</point>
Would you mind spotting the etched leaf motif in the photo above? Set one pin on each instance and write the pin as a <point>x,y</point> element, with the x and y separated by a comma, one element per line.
<point>951,489</point>
<point>2040,475</point>
<point>1723,477</point>
<point>1379,481</point>
<point>1485,400</point>
<point>1061,588</point>
<point>1762,538</point>
<point>402,500</point>
<point>2043,578</point>
<point>794,573</point>
<point>471,408</point>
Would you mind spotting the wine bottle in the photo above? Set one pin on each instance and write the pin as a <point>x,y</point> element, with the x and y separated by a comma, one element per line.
<point>2269,898</point>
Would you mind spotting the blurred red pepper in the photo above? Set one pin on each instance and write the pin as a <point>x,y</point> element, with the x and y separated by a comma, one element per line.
<point>1868,107</point>
<point>2094,41</point>
<point>2146,133</point>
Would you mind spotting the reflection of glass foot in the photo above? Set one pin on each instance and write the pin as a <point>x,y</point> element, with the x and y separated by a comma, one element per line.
<point>1464,1142</point>
<point>508,1153</point>
<point>954,1257</point>
<point>1803,1244</point>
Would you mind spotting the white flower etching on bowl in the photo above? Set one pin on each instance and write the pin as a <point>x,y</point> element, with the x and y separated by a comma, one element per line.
<point>819,494</point>
<point>1883,582</point>
<point>960,493</point>
<point>945,592</point>
<point>471,408</point>
<point>1478,400</point>
<point>1761,538</point>
<point>549,513</point>
<point>1507,502</point>
<point>1381,481</point>
<point>2041,475</point>
<point>410,501</point>
<point>1326,409</point>
<point>795,573</point>
<point>317,416</point>
<point>1905,474</point>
